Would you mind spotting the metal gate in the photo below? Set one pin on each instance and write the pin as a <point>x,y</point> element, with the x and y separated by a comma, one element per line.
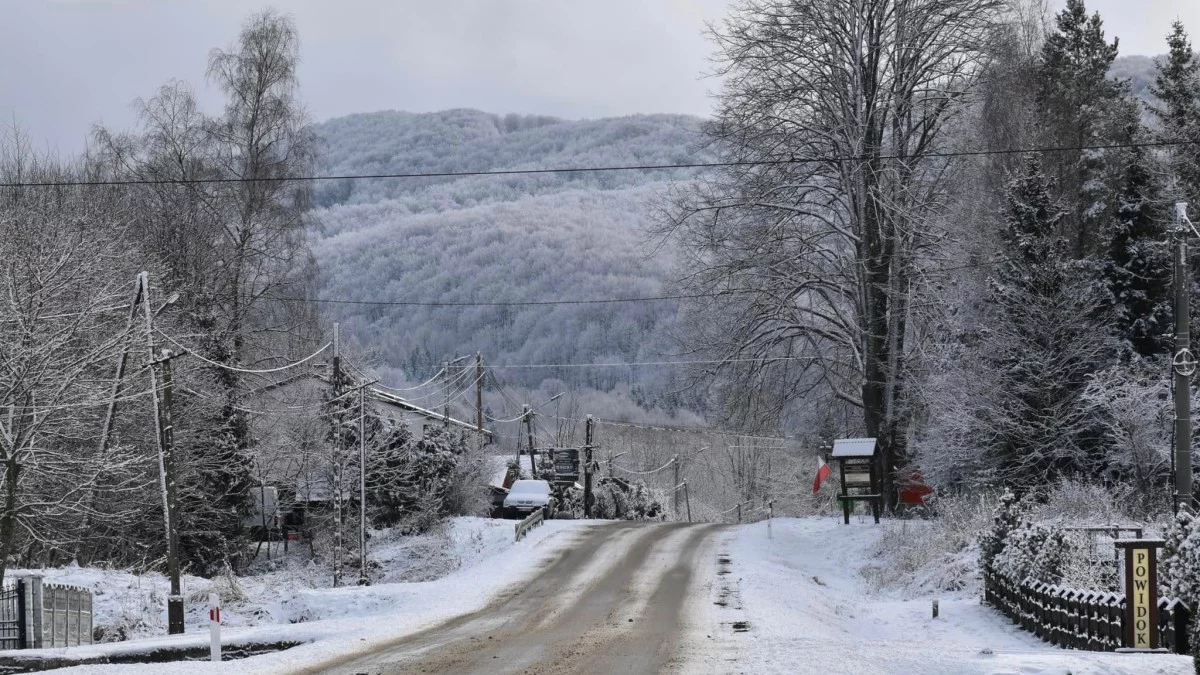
<point>12,607</point>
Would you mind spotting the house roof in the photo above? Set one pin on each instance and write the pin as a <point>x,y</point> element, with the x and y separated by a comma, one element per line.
<point>377,395</point>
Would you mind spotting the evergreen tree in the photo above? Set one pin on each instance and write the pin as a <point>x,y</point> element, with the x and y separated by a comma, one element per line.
<point>1074,96</point>
<point>1177,87</point>
<point>1048,337</point>
<point>1138,267</point>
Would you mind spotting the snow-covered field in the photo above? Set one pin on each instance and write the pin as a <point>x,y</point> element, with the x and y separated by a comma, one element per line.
<point>801,588</point>
<point>285,606</point>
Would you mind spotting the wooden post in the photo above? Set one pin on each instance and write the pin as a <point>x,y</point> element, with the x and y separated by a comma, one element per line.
<point>533,470</point>
<point>1141,593</point>
<point>739,510</point>
<point>587,467</point>
<point>846,505</point>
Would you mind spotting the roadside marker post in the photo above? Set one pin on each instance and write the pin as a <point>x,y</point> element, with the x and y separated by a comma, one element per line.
<point>214,625</point>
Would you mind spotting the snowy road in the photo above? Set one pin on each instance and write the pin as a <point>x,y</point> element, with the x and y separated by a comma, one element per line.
<point>615,603</point>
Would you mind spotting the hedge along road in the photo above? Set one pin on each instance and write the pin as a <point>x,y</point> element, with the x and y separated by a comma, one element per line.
<point>617,602</point>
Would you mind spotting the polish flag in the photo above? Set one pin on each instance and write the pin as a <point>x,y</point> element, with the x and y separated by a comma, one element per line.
<point>823,472</point>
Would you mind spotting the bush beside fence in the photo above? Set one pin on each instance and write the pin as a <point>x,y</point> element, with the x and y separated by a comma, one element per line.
<point>1080,619</point>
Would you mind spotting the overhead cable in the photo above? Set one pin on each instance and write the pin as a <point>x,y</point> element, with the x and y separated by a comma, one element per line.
<point>584,169</point>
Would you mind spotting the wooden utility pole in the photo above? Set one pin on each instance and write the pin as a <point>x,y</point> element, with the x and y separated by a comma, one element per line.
<point>687,501</point>
<point>164,436</point>
<point>111,413</point>
<point>587,467</point>
<point>479,397</point>
<point>338,516</point>
<point>337,358</point>
<point>175,601</point>
<point>675,463</point>
<point>446,399</point>
<point>533,470</point>
<point>362,487</point>
<point>1184,365</point>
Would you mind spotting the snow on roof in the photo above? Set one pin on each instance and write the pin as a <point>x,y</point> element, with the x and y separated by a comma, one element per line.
<point>854,447</point>
<point>500,468</point>
<point>378,395</point>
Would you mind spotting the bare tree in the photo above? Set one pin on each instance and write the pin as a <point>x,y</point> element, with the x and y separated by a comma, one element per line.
<point>62,275</point>
<point>832,115</point>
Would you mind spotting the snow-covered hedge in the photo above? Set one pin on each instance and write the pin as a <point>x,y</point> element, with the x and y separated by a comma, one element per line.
<point>1179,570</point>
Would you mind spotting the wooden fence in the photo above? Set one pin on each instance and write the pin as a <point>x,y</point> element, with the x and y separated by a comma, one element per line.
<point>1080,619</point>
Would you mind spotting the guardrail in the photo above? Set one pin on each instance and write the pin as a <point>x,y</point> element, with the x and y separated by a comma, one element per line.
<point>531,521</point>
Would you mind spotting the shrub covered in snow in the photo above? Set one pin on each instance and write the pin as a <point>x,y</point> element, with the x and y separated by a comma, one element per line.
<point>1006,518</point>
<point>618,499</point>
<point>1033,551</point>
<point>1179,571</point>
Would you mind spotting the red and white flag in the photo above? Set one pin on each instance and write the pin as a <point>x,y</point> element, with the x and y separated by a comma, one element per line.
<point>823,472</point>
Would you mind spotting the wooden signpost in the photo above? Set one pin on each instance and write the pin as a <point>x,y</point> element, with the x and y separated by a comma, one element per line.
<point>858,461</point>
<point>1141,594</point>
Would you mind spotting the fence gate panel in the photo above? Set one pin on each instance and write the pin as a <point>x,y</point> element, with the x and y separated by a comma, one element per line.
<point>11,607</point>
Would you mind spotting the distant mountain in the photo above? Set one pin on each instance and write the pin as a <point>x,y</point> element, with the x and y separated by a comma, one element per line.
<point>499,239</point>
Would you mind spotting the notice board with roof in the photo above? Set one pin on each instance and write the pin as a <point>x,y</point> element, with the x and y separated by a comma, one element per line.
<point>858,461</point>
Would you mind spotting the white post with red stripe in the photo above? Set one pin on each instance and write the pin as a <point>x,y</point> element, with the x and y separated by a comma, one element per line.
<point>214,625</point>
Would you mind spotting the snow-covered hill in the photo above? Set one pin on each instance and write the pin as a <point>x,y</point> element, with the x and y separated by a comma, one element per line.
<point>487,238</point>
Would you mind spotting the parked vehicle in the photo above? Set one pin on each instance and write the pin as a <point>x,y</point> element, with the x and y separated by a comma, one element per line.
<point>527,496</point>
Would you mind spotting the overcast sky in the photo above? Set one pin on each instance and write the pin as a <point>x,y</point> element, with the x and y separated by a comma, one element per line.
<point>68,64</point>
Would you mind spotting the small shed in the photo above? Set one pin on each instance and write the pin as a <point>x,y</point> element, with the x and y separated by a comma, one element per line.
<point>858,462</point>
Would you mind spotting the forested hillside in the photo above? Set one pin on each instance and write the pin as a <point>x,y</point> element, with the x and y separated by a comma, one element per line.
<point>499,239</point>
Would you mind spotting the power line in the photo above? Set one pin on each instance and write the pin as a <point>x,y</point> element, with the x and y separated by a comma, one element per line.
<point>584,169</point>
<point>252,371</point>
<point>585,301</point>
<point>502,303</point>
<point>651,363</point>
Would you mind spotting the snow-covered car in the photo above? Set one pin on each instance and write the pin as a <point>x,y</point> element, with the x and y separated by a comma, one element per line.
<point>526,496</point>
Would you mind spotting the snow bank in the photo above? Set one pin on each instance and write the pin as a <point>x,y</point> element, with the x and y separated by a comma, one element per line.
<point>332,621</point>
<point>809,608</point>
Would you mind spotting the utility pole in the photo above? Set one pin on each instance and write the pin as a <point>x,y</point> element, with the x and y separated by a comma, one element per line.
<point>675,463</point>
<point>362,487</point>
<point>164,435</point>
<point>587,467</point>
<point>338,516</point>
<point>337,357</point>
<point>175,602</point>
<point>446,403</point>
<point>687,500</point>
<point>1184,365</point>
<point>479,397</point>
<point>533,470</point>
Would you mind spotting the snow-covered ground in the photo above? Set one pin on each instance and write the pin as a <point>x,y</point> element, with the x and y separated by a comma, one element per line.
<point>284,605</point>
<point>809,608</point>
